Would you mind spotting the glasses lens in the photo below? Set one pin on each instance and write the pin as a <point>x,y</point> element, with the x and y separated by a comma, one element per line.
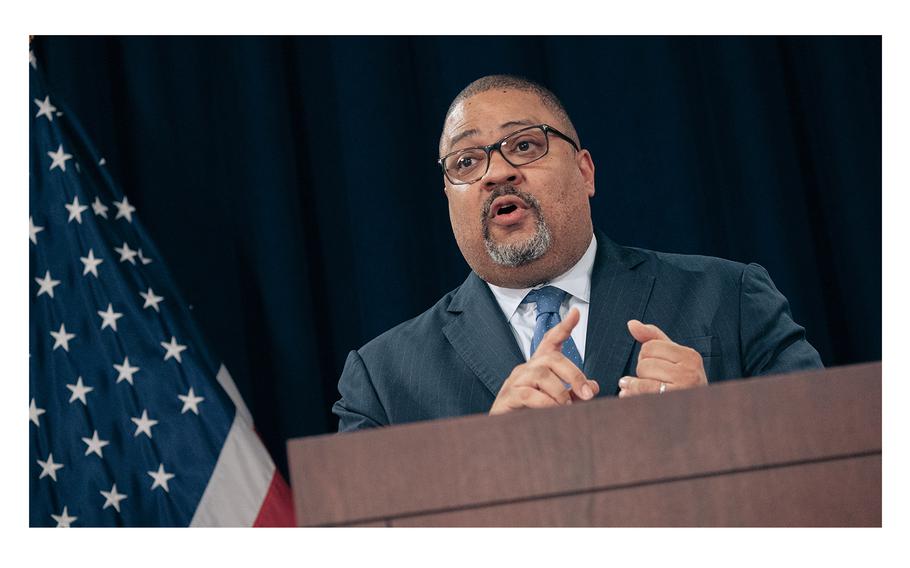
<point>525,146</point>
<point>519,148</point>
<point>466,166</point>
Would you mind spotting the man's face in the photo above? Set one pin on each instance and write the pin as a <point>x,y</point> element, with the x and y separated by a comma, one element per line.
<point>518,226</point>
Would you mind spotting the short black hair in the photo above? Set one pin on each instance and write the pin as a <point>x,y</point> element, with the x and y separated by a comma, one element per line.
<point>491,82</point>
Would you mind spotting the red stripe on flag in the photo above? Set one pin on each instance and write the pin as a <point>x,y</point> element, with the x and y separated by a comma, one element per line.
<point>277,508</point>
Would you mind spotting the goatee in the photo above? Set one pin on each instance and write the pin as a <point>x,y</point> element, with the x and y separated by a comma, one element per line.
<point>515,254</point>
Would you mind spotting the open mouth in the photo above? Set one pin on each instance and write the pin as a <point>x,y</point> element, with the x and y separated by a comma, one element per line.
<point>508,210</point>
<point>506,205</point>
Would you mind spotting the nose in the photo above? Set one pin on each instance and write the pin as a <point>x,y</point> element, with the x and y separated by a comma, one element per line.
<point>500,172</point>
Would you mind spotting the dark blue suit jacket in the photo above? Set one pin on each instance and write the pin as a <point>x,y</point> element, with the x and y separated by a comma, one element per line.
<point>452,359</point>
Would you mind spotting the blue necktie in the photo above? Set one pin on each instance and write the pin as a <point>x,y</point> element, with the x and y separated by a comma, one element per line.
<point>548,300</point>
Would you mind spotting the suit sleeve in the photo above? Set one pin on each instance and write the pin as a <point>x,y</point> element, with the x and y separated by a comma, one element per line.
<point>359,406</point>
<point>770,341</point>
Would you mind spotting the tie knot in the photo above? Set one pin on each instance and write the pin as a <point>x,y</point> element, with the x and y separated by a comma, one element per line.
<point>547,299</point>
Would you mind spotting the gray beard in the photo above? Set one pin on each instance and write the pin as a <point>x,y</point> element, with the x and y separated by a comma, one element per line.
<point>516,254</point>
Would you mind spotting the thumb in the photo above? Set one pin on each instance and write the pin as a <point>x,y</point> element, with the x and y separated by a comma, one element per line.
<point>643,333</point>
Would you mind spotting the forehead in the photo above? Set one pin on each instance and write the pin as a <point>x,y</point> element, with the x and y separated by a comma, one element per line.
<point>489,115</point>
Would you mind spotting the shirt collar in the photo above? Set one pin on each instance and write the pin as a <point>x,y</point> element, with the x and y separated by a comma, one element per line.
<point>576,281</point>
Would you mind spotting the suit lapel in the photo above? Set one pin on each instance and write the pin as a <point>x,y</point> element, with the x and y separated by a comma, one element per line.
<point>483,339</point>
<point>481,335</point>
<point>618,294</point>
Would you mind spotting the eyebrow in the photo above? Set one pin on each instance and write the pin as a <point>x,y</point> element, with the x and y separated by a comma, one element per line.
<point>473,132</point>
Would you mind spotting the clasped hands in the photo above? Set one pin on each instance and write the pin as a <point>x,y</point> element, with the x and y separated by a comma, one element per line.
<point>550,379</point>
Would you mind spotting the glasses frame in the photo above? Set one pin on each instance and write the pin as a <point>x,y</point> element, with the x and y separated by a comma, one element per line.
<point>488,149</point>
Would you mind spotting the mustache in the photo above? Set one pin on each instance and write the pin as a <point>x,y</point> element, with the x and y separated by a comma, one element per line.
<point>528,199</point>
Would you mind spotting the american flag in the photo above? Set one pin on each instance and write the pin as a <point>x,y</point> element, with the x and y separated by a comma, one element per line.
<point>132,421</point>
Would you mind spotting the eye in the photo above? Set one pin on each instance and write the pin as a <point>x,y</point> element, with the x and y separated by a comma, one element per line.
<point>466,161</point>
<point>526,146</point>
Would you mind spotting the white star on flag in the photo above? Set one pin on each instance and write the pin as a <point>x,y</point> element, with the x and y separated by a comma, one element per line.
<point>45,108</point>
<point>99,208</point>
<point>75,209</point>
<point>46,284</point>
<point>49,467</point>
<point>151,299</point>
<point>91,263</point>
<point>174,349</point>
<point>32,60</point>
<point>126,253</point>
<point>112,498</point>
<point>79,391</point>
<point>126,372</point>
<point>94,444</point>
<point>33,231</point>
<point>62,338</point>
<point>109,318</point>
<point>190,400</point>
<point>161,478</point>
<point>34,412</point>
<point>63,519</point>
<point>60,157</point>
<point>219,455</point>
<point>144,424</point>
<point>124,209</point>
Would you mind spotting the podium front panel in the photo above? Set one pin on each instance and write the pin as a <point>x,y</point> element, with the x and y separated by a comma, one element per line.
<point>792,450</point>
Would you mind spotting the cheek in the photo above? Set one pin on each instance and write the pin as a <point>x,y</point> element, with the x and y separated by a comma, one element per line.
<point>565,204</point>
<point>463,215</point>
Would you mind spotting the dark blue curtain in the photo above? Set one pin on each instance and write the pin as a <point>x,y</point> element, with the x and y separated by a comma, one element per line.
<point>289,181</point>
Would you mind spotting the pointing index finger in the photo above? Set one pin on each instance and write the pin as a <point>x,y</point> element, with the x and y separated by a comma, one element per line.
<point>553,339</point>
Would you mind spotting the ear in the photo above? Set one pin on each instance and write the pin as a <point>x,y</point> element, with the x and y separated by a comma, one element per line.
<point>586,168</point>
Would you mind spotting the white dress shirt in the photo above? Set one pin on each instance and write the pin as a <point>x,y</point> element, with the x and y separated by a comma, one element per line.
<point>523,317</point>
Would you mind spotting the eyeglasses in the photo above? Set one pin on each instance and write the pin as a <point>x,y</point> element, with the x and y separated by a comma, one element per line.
<point>518,149</point>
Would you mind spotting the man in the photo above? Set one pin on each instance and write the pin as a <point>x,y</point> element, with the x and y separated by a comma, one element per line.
<point>552,311</point>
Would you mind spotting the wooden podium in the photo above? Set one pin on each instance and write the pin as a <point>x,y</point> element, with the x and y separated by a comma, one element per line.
<point>793,450</point>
